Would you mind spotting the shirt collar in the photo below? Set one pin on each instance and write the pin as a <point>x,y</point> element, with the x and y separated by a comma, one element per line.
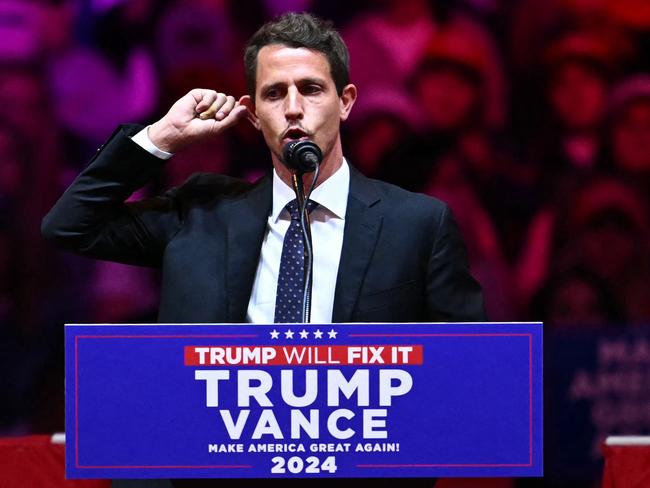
<point>331,195</point>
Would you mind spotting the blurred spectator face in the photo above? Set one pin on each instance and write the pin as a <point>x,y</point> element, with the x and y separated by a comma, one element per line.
<point>631,134</point>
<point>448,98</point>
<point>378,135</point>
<point>609,245</point>
<point>577,95</point>
<point>30,29</point>
<point>22,100</point>
<point>575,302</point>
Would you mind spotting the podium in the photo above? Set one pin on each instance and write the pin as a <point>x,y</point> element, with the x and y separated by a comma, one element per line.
<point>304,401</point>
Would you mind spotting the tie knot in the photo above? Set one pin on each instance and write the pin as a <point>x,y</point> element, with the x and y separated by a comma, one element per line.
<point>294,209</point>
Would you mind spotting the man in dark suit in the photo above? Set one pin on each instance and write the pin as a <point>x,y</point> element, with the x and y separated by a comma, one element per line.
<point>381,254</point>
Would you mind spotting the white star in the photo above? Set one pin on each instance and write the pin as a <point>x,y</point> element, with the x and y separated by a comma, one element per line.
<point>332,334</point>
<point>318,334</point>
<point>304,334</point>
<point>289,334</point>
<point>274,334</point>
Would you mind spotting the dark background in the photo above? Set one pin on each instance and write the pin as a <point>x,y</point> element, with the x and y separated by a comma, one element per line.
<point>531,118</point>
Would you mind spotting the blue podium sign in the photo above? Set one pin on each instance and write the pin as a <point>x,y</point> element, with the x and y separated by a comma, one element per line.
<point>303,401</point>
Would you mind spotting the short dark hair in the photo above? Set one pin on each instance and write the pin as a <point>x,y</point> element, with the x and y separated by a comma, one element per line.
<point>300,30</point>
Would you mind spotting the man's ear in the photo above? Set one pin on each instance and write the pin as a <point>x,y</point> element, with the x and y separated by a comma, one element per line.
<point>247,102</point>
<point>347,99</point>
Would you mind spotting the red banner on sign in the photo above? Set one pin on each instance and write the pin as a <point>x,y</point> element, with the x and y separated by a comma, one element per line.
<point>379,355</point>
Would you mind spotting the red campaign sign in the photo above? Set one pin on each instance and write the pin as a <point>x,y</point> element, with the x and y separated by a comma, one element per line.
<point>377,355</point>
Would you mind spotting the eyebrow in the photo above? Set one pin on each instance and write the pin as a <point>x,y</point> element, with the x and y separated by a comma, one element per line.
<point>301,82</point>
<point>312,81</point>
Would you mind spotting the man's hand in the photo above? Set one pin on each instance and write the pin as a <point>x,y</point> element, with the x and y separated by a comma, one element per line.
<point>199,115</point>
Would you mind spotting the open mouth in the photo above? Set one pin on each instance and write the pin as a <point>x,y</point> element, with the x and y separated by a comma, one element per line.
<point>294,134</point>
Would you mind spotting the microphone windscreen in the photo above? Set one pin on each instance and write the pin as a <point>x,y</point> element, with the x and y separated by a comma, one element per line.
<point>302,156</point>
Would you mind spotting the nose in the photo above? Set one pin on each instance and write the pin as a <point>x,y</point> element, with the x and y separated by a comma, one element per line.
<point>293,109</point>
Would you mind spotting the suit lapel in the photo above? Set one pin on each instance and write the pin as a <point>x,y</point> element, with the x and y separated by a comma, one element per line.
<point>362,225</point>
<point>247,219</point>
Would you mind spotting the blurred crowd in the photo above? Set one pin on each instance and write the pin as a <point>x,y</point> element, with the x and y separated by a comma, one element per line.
<point>531,118</point>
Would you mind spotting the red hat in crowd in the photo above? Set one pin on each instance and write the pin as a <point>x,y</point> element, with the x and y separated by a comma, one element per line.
<point>455,46</point>
<point>605,194</point>
<point>599,48</point>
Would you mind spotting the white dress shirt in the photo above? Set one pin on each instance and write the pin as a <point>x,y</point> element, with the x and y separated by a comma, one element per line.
<point>327,225</point>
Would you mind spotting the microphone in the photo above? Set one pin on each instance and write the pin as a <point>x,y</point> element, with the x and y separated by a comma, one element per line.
<point>302,156</point>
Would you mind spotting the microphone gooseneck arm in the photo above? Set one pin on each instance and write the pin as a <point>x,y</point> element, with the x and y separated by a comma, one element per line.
<point>298,188</point>
<point>303,157</point>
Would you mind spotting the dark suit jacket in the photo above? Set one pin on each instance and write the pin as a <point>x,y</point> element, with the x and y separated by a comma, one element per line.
<point>403,259</point>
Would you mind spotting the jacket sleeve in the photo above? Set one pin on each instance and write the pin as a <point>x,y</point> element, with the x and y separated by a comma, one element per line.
<point>92,217</point>
<point>453,295</point>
